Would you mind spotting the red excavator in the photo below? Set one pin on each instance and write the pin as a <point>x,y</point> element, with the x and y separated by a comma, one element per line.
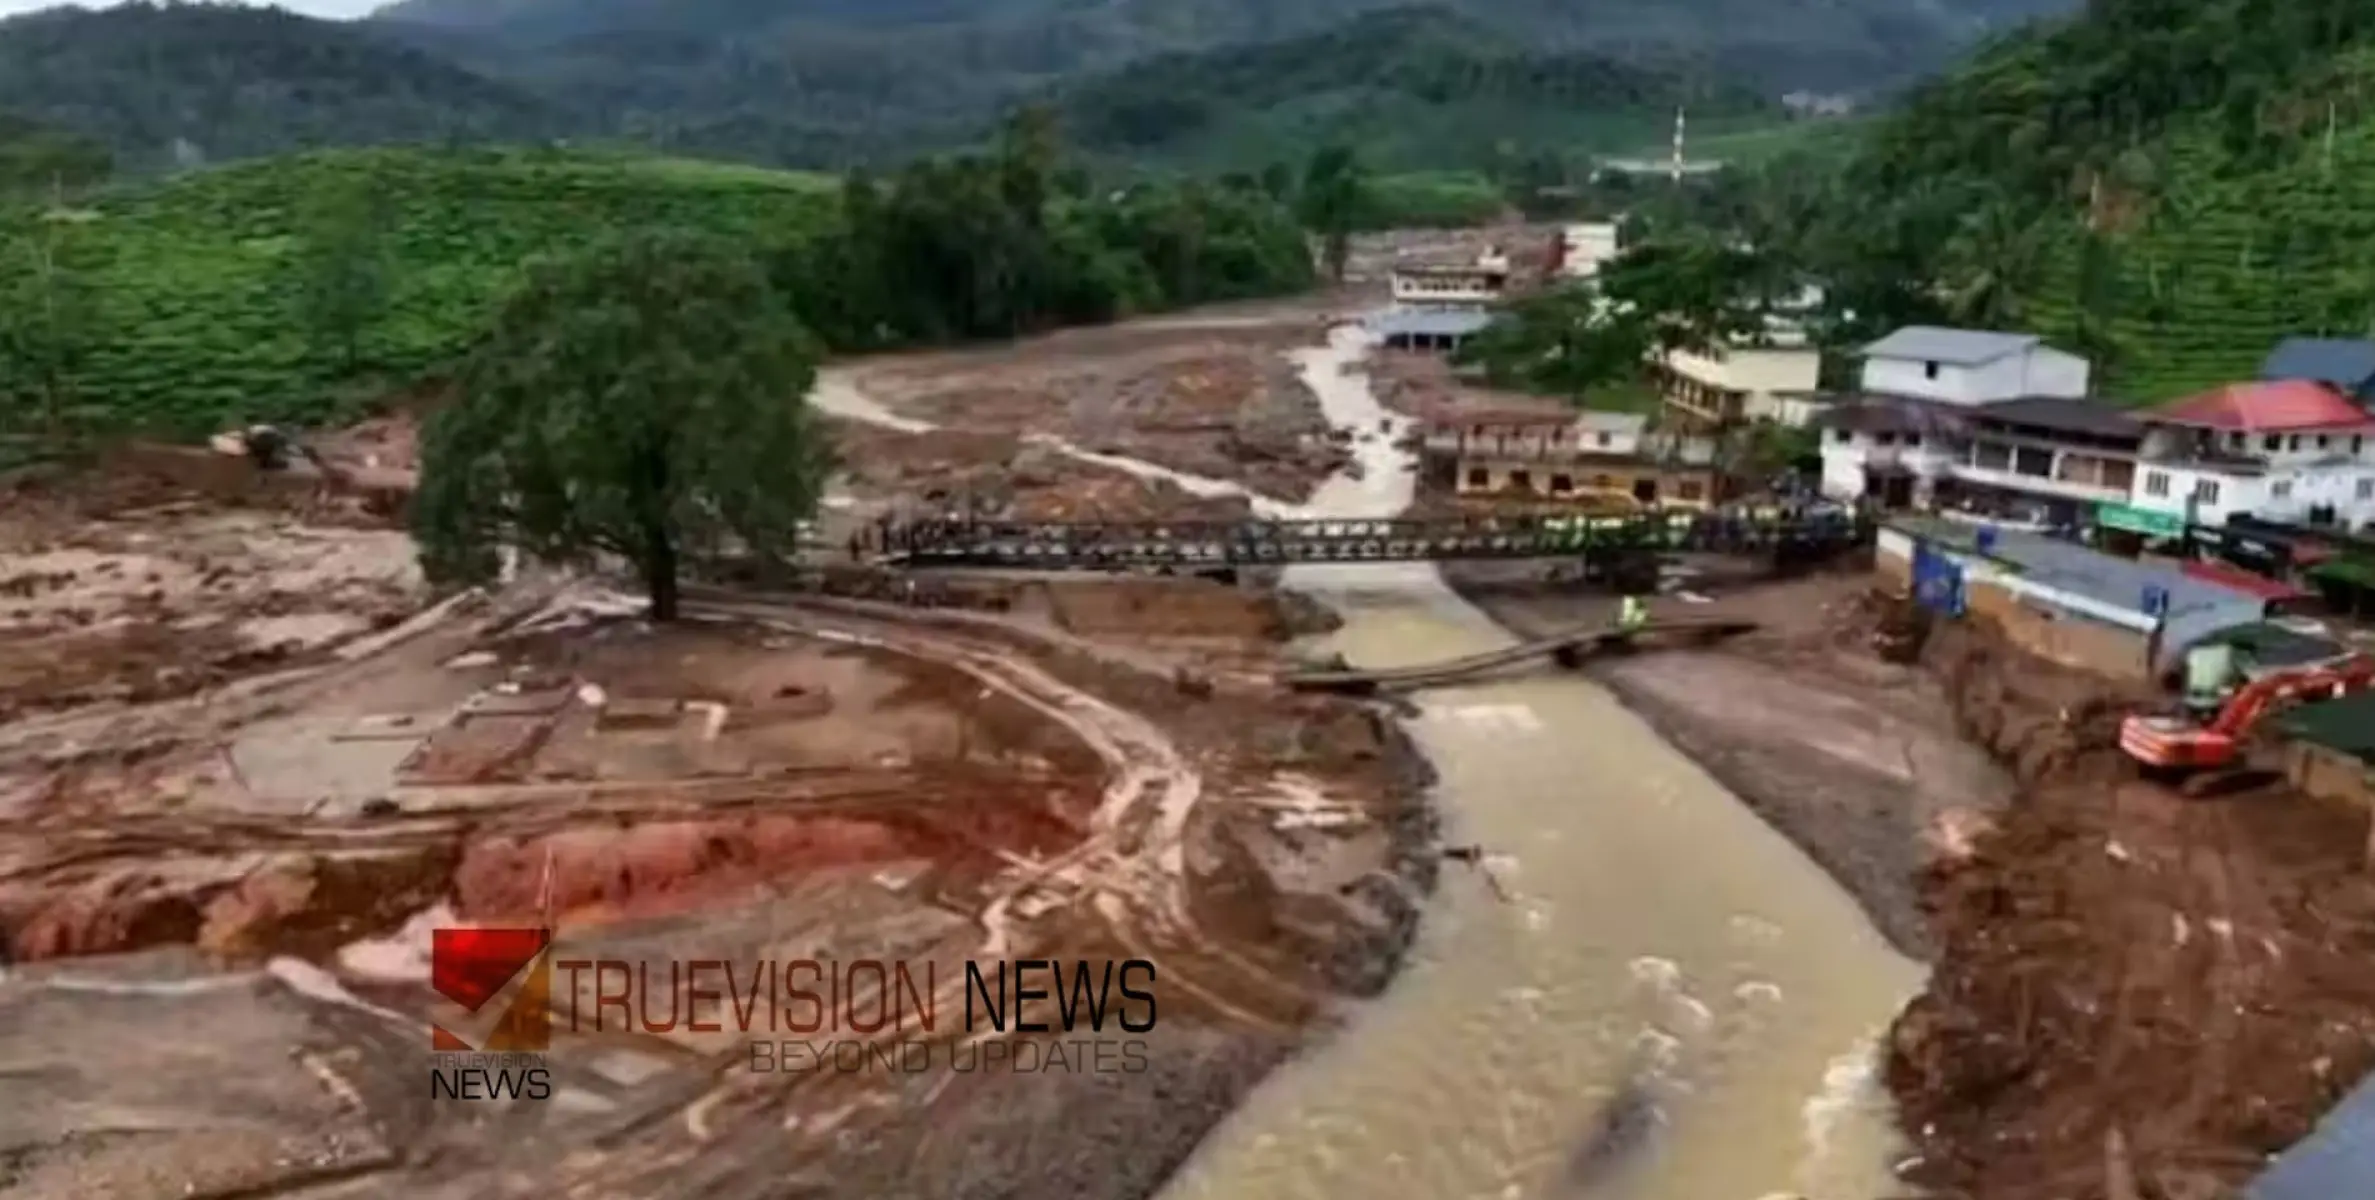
<point>2201,751</point>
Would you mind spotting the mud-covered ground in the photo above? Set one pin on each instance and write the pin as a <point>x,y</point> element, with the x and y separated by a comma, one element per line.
<point>172,572</point>
<point>2133,987</point>
<point>1208,396</point>
<point>1059,770</point>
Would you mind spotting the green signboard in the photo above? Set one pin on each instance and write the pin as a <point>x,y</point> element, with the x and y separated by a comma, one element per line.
<point>2140,520</point>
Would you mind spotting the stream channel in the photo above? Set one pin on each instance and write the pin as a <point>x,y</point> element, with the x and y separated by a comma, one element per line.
<point>1673,1004</point>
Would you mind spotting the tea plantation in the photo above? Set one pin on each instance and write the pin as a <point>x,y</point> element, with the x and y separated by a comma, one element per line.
<point>2228,261</point>
<point>198,282</point>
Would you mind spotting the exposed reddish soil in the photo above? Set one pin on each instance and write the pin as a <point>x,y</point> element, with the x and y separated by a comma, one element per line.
<point>2130,982</point>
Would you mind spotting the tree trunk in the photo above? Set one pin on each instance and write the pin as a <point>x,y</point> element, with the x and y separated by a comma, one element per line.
<point>659,572</point>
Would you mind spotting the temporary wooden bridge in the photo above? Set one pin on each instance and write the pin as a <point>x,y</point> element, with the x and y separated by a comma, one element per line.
<point>1215,545</point>
<point>1569,649</point>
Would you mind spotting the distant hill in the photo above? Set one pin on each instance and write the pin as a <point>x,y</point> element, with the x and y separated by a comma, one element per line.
<point>206,82</point>
<point>833,83</point>
<point>1829,44</point>
<point>1417,88</point>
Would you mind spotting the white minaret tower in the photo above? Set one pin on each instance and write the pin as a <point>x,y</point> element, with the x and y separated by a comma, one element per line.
<point>1678,129</point>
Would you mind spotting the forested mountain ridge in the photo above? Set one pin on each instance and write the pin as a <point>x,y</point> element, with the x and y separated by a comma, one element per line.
<point>1416,87</point>
<point>1842,45</point>
<point>206,81</point>
<point>837,83</point>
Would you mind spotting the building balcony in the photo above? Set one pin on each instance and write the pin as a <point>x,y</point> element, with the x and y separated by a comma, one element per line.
<point>2040,485</point>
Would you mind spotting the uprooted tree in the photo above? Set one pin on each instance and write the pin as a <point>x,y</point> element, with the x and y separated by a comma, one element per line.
<point>640,400</point>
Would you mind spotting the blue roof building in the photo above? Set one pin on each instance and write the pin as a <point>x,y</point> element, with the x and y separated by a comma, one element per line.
<point>2345,364</point>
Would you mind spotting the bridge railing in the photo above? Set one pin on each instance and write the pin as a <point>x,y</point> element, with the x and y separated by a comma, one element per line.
<point>1214,544</point>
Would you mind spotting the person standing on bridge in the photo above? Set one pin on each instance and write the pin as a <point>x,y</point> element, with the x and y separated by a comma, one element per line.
<point>1632,615</point>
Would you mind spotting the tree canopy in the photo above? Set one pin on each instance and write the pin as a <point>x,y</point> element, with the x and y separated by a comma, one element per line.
<point>641,399</point>
<point>1684,293</point>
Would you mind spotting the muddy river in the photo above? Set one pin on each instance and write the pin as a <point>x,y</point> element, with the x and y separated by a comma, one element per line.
<point>1672,1002</point>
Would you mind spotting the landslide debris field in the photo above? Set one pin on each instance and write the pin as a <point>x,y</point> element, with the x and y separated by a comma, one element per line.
<point>250,768</point>
<point>2128,984</point>
<point>1209,396</point>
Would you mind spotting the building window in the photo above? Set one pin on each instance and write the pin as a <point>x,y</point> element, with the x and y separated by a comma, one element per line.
<point>2282,489</point>
<point>2235,439</point>
<point>1522,481</point>
<point>2358,442</point>
<point>2272,442</point>
<point>2323,441</point>
<point>1842,436</point>
<point>1604,439</point>
<point>1561,485</point>
<point>2296,442</point>
<point>2206,491</point>
<point>1479,477</point>
<point>1690,489</point>
<point>1884,439</point>
<point>2367,489</point>
<point>2028,460</point>
<point>1929,370</point>
<point>1913,439</point>
<point>2156,483</point>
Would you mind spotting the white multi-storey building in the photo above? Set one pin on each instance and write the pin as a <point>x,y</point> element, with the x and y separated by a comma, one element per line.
<point>2288,450</point>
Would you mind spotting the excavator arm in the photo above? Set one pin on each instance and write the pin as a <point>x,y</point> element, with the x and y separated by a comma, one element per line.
<point>2243,712</point>
<point>2172,743</point>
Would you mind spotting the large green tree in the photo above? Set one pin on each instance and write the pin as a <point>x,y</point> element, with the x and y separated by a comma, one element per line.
<point>1694,293</point>
<point>1566,341</point>
<point>641,400</point>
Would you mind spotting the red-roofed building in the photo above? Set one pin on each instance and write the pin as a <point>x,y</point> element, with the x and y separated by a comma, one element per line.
<point>2269,406</point>
<point>2291,450</point>
<point>2234,578</point>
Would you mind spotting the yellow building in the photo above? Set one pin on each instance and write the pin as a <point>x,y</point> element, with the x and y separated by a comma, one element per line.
<point>1769,380</point>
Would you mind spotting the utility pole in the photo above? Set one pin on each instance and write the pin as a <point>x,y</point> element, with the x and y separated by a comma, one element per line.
<point>1678,134</point>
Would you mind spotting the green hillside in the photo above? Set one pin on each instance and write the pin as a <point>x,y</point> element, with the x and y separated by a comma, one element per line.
<point>298,288</point>
<point>2224,264</point>
<point>199,283</point>
<point>2167,188</point>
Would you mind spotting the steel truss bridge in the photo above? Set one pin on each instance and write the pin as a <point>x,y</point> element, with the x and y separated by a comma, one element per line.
<point>1223,545</point>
